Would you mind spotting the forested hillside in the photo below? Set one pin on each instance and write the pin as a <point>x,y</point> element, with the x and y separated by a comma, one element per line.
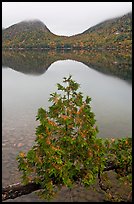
<point>111,34</point>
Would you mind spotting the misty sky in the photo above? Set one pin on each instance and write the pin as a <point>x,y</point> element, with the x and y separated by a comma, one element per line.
<point>63,18</point>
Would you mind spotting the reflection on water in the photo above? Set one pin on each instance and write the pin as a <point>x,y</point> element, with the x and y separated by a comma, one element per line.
<point>29,77</point>
<point>37,62</point>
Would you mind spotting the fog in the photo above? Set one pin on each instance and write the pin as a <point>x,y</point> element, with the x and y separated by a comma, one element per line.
<point>63,18</point>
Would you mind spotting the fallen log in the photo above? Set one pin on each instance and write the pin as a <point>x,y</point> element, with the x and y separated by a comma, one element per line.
<point>15,190</point>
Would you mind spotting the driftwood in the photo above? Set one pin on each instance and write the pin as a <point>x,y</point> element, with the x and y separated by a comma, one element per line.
<point>16,190</point>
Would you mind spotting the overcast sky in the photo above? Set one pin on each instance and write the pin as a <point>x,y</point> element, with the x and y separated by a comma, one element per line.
<point>63,18</point>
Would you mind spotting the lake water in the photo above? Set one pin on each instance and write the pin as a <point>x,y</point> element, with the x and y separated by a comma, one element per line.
<point>23,92</point>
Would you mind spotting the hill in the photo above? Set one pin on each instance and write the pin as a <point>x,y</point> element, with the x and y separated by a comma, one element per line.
<point>120,24</point>
<point>25,26</point>
<point>111,34</point>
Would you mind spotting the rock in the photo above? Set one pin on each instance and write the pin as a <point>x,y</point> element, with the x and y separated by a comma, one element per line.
<point>20,145</point>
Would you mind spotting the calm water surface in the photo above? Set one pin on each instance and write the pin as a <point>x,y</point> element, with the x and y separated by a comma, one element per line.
<point>23,94</point>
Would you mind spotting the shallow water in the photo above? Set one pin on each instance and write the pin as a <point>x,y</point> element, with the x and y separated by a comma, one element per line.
<point>23,94</point>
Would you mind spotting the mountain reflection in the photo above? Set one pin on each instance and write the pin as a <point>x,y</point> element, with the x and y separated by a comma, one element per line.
<point>37,62</point>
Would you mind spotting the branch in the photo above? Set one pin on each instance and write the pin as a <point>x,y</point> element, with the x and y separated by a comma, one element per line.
<point>111,166</point>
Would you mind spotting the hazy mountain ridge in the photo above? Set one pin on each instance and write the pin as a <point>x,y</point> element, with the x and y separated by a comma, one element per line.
<point>26,26</point>
<point>111,34</point>
<point>120,24</point>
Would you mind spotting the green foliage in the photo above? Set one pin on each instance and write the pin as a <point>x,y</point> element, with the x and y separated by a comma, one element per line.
<point>123,157</point>
<point>66,148</point>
